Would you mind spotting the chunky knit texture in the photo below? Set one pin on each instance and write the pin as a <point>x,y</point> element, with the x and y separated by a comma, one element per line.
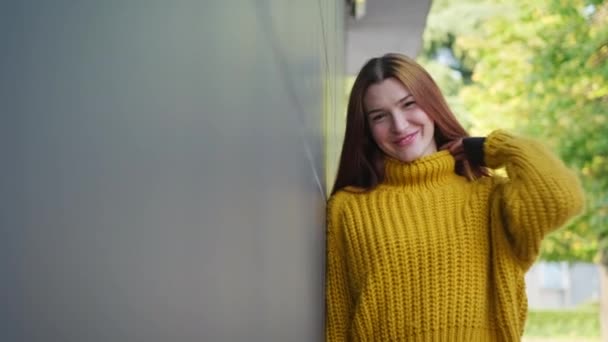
<point>430,256</point>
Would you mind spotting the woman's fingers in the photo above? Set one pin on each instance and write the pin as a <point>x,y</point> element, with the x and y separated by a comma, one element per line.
<point>459,156</point>
<point>446,146</point>
<point>453,146</point>
<point>456,148</point>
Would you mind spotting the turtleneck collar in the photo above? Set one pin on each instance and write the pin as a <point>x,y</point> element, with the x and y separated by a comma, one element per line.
<point>434,169</point>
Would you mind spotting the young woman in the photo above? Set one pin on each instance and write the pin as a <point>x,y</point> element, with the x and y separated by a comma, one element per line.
<point>423,243</point>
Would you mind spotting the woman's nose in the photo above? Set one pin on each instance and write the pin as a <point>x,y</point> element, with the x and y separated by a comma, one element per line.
<point>400,122</point>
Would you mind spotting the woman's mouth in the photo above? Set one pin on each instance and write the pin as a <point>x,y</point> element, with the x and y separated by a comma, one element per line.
<point>406,140</point>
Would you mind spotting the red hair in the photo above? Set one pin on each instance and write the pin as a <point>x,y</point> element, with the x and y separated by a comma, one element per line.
<point>362,162</point>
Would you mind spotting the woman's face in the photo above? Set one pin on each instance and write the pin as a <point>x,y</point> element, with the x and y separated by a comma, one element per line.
<point>399,127</point>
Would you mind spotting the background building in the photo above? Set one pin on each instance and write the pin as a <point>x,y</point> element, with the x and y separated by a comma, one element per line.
<point>561,285</point>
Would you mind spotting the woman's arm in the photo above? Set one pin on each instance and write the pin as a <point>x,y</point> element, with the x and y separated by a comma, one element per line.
<point>539,195</point>
<point>338,303</point>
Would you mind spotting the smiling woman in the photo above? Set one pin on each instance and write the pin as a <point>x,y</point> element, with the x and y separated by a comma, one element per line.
<point>423,243</point>
<point>378,89</point>
<point>401,129</point>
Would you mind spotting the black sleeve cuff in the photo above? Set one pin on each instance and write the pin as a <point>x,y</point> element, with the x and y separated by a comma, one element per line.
<point>473,148</point>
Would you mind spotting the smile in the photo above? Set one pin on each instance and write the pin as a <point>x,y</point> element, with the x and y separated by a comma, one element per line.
<point>406,140</point>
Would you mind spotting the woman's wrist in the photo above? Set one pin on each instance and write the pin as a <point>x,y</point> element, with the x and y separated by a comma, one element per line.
<point>474,149</point>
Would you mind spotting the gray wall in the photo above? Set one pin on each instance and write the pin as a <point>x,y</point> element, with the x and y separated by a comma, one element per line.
<point>162,173</point>
<point>387,26</point>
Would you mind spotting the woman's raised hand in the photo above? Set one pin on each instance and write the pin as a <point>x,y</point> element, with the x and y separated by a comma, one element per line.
<point>456,148</point>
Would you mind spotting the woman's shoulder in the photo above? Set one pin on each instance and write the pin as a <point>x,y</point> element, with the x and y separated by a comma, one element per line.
<point>344,196</point>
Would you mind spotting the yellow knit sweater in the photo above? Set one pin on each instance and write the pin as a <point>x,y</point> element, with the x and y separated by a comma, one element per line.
<point>430,256</point>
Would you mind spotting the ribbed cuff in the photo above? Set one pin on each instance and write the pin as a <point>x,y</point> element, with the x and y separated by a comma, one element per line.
<point>473,148</point>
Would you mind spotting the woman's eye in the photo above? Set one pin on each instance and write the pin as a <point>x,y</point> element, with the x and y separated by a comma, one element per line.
<point>408,104</point>
<point>378,117</point>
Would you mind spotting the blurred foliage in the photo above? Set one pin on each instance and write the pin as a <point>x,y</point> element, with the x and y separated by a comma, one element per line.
<point>449,21</point>
<point>539,68</point>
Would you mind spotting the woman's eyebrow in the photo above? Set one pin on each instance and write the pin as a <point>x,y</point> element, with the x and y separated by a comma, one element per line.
<point>380,109</point>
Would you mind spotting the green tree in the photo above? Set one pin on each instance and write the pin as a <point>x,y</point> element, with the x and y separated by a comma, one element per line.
<point>548,69</point>
<point>540,69</point>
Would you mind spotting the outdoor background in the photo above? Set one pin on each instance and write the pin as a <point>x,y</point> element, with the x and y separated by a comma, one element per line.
<point>165,164</point>
<point>539,68</point>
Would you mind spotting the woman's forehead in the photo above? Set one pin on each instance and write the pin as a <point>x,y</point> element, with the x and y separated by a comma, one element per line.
<point>386,92</point>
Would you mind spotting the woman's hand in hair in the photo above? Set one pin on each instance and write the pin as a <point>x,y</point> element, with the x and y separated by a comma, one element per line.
<point>456,148</point>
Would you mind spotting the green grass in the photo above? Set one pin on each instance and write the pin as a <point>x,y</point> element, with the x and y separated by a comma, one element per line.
<point>579,322</point>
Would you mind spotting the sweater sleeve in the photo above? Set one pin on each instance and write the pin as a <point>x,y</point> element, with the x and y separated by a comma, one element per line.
<point>338,303</point>
<point>539,195</point>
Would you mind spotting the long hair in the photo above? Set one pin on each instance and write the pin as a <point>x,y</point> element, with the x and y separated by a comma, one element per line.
<point>362,161</point>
